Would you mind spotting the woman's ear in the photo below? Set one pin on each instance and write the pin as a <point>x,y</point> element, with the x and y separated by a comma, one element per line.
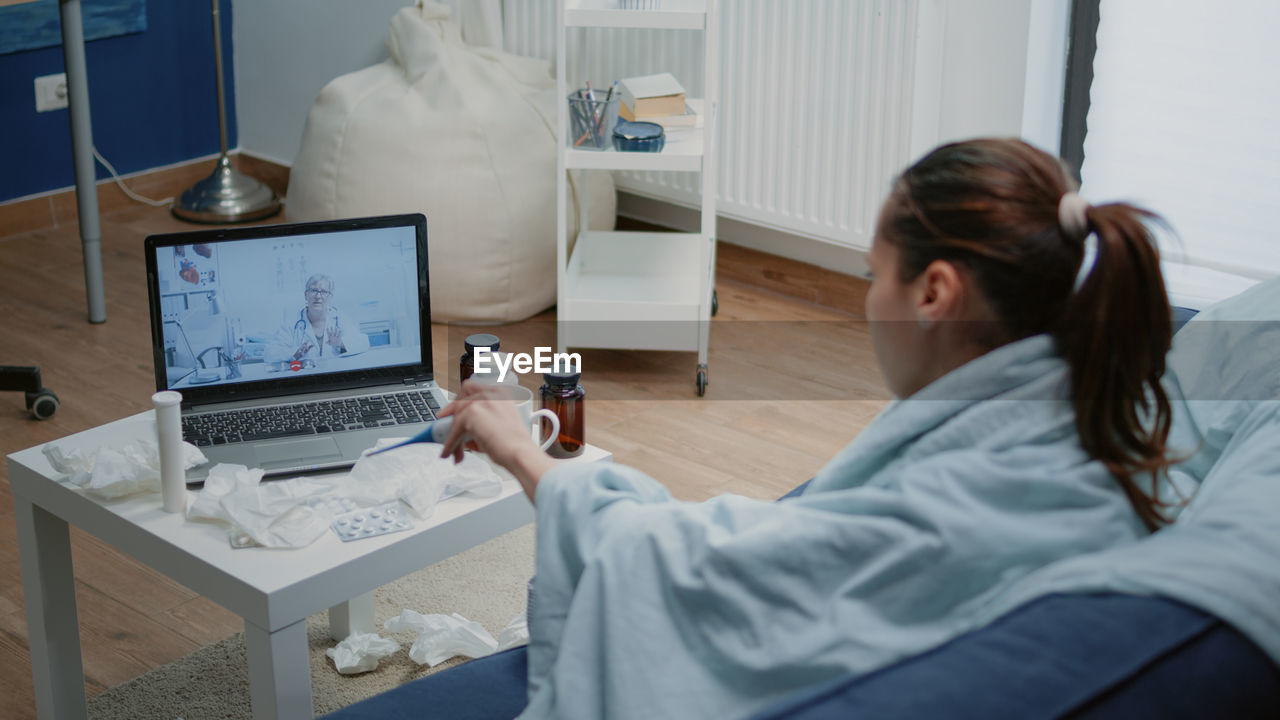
<point>940,291</point>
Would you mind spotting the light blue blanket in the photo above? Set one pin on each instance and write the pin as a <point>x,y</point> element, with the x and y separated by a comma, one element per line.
<point>647,607</point>
<point>1223,554</point>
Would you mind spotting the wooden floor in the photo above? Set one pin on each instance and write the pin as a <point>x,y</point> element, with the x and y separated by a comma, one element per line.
<point>791,383</point>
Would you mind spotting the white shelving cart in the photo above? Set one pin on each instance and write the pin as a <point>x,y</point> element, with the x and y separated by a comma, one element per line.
<point>638,290</point>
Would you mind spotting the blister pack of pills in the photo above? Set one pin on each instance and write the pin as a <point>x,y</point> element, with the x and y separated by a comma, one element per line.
<point>371,522</point>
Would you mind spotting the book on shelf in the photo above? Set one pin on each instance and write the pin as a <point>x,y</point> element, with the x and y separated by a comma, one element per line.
<point>687,119</point>
<point>652,96</point>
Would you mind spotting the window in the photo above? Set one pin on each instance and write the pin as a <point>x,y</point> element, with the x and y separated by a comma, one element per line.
<point>1184,119</point>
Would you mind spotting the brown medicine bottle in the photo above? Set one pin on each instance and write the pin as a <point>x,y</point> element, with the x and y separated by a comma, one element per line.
<point>562,395</point>
<point>467,363</point>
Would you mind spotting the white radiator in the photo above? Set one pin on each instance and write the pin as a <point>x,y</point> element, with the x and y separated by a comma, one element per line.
<point>815,103</point>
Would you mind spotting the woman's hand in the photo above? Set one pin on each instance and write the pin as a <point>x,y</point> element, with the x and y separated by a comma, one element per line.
<point>485,414</point>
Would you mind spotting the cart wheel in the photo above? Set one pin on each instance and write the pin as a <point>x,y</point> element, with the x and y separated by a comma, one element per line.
<point>43,404</point>
<point>701,381</point>
<point>715,303</point>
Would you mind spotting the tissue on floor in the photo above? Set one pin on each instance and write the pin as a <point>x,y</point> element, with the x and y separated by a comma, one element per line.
<point>361,652</point>
<point>441,637</point>
<point>515,633</point>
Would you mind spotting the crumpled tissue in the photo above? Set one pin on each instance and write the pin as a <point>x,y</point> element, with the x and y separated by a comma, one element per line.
<point>441,637</point>
<point>361,652</point>
<point>291,513</point>
<point>515,633</point>
<point>274,514</point>
<point>417,475</point>
<point>223,479</point>
<point>112,472</point>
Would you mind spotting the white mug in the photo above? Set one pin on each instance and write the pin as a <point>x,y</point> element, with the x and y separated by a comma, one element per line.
<point>523,397</point>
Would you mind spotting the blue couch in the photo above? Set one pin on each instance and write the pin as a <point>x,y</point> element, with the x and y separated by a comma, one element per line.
<point>1077,656</point>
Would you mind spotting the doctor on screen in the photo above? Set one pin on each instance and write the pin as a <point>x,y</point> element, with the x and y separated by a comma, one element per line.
<point>317,331</point>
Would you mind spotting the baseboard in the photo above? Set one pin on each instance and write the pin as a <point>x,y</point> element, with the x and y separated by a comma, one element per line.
<point>58,207</point>
<point>274,174</point>
<point>793,265</point>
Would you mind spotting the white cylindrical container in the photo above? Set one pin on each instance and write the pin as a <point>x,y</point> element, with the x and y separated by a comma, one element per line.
<point>173,473</point>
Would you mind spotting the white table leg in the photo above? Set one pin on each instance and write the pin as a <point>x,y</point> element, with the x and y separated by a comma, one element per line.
<point>352,616</point>
<point>279,672</point>
<point>53,631</point>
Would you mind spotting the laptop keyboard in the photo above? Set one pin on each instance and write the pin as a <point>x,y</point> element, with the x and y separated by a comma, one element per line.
<point>312,418</point>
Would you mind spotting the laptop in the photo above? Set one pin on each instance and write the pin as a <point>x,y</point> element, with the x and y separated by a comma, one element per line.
<point>295,347</point>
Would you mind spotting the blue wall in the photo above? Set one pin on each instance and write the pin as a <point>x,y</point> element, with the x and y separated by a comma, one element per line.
<point>152,98</point>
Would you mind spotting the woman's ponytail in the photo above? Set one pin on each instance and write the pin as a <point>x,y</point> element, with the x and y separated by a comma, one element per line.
<point>1115,334</point>
<point>1006,212</point>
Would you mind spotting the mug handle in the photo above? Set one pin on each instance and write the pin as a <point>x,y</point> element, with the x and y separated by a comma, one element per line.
<point>536,430</point>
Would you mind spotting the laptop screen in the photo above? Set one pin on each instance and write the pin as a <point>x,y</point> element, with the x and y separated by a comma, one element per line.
<point>248,312</point>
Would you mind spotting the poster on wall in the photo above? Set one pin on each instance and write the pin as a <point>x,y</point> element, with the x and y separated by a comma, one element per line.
<point>32,25</point>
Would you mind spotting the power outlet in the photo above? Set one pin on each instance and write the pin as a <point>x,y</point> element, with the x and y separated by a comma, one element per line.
<point>51,92</point>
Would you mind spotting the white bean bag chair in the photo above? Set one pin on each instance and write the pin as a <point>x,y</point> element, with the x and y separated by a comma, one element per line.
<point>464,135</point>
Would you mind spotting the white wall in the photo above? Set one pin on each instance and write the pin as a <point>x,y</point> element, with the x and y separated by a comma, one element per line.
<point>286,50</point>
<point>983,67</point>
<point>1182,121</point>
<point>1046,79</point>
<point>990,67</point>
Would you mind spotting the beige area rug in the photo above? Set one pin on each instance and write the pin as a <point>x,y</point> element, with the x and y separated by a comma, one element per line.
<point>486,584</point>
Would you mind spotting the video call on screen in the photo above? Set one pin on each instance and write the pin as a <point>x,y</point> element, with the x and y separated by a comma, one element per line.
<point>253,310</point>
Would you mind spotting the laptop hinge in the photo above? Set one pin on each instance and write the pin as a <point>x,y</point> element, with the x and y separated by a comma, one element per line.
<point>417,380</point>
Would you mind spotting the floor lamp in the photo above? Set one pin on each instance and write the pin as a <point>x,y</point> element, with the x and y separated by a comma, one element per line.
<point>228,195</point>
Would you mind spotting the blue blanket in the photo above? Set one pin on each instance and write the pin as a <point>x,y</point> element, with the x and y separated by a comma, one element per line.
<point>644,606</point>
<point>1223,553</point>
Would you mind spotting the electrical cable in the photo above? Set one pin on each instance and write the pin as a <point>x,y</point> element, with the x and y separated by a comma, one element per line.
<point>125,188</point>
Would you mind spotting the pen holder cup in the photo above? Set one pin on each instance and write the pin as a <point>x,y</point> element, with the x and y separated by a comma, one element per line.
<point>591,122</point>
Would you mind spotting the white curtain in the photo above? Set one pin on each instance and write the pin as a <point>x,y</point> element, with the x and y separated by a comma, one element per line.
<point>1184,119</point>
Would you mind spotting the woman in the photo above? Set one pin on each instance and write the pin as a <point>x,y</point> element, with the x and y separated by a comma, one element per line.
<point>1029,411</point>
<point>318,330</point>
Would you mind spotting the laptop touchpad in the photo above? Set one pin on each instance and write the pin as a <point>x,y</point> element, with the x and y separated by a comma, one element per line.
<point>298,451</point>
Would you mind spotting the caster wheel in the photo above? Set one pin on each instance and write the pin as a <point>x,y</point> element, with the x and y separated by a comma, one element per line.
<point>715,303</point>
<point>701,381</point>
<point>43,404</point>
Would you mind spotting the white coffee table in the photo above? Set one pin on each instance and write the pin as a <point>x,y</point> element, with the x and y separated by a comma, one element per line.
<point>273,590</point>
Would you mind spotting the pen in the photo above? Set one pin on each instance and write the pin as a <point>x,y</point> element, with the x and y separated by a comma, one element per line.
<point>595,110</point>
<point>607,99</point>
<point>591,100</point>
<point>581,114</point>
